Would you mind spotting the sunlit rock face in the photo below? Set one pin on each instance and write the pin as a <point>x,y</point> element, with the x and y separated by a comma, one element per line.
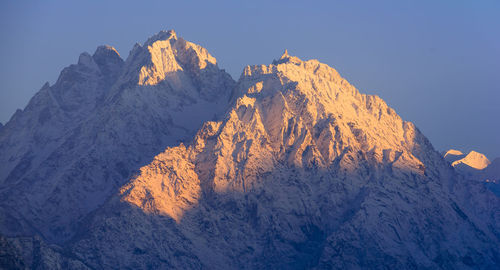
<point>79,140</point>
<point>303,171</point>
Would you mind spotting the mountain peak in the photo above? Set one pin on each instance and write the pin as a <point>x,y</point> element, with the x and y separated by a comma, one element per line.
<point>453,155</point>
<point>474,159</point>
<point>453,152</point>
<point>286,58</point>
<point>164,56</point>
<point>162,35</point>
<point>105,50</point>
<point>285,54</point>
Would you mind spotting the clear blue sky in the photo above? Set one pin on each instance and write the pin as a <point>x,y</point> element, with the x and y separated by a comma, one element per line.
<point>436,62</point>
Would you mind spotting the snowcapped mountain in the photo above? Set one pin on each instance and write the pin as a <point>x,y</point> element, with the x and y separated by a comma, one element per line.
<point>472,160</point>
<point>476,166</point>
<point>177,166</point>
<point>453,155</point>
<point>79,140</point>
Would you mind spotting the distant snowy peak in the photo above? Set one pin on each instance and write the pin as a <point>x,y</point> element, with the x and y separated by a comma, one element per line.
<point>475,166</point>
<point>453,155</point>
<point>473,160</point>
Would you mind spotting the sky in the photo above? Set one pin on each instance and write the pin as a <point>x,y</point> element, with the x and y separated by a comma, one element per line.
<point>437,63</point>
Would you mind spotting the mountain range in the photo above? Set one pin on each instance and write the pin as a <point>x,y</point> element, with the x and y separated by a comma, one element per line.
<point>163,161</point>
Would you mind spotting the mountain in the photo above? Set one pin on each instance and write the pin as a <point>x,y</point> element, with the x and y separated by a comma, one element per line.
<point>302,172</point>
<point>472,160</point>
<point>297,170</point>
<point>78,141</point>
<point>453,155</point>
<point>476,166</point>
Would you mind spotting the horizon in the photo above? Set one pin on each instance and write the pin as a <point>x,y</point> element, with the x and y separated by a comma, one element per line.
<point>435,64</point>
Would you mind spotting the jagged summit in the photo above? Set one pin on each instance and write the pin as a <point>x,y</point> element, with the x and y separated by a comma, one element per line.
<point>162,35</point>
<point>106,51</point>
<point>285,54</point>
<point>106,60</point>
<point>164,58</point>
<point>286,58</point>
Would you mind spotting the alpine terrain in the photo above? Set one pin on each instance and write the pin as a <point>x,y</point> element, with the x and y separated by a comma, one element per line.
<point>163,161</point>
<point>476,167</point>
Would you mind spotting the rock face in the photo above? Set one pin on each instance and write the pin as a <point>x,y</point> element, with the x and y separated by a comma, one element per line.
<point>78,141</point>
<point>292,168</point>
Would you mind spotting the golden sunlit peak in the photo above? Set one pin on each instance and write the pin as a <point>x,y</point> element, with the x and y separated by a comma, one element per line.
<point>162,35</point>
<point>286,58</point>
<point>285,55</point>
<point>105,50</point>
<point>172,33</point>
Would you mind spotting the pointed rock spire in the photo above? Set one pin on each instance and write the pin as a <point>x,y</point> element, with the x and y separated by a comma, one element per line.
<point>286,58</point>
<point>284,55</point>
